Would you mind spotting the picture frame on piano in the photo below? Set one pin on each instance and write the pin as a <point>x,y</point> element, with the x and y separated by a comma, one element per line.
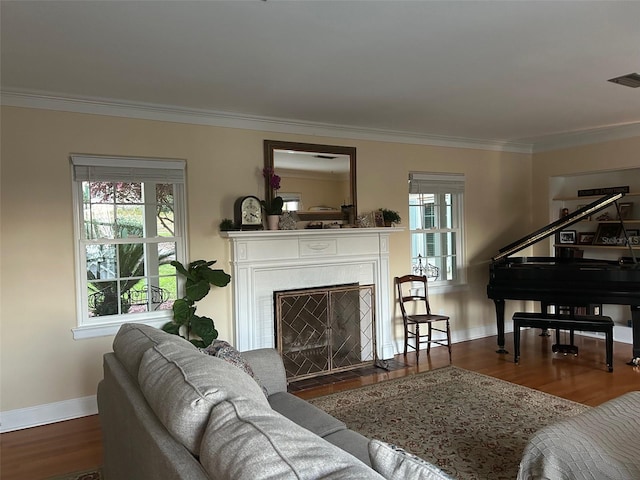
<point>608,234</point>
<point>624,211</point>
<point>586,238</point>
<point>567,237</point>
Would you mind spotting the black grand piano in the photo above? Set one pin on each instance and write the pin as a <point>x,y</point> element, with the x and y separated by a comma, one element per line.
<point>563,280</point>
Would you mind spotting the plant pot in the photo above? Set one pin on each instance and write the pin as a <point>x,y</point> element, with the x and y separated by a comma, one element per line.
<point>272,222</point>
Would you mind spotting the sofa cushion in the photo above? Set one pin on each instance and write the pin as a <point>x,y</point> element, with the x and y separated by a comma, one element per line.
<point>304,414</point>
<point>269,369</point>
<point>393,462</point>
<point>225,351</point>
<point>351,442</point>
<point>182,386</point>
<point>245,442</point>
<point>133,339</point>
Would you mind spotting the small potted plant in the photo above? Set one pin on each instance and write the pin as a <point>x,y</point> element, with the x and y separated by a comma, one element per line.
<point>390,217</point>
<point>272,207</point>
<point>226,225</point>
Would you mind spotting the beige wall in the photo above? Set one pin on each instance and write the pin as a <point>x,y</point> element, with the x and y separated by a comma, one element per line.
<point>41,363</point>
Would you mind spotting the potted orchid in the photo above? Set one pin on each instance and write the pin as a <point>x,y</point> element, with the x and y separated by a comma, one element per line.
<point>272,207</point>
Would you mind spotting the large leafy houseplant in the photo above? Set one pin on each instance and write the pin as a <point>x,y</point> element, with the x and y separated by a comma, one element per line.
<point>199,279</point>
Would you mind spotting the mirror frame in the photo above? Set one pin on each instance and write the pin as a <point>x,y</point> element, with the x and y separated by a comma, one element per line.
<point>271,145</point>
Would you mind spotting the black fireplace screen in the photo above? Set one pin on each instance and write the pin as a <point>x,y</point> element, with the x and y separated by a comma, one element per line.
<point>326,329</point>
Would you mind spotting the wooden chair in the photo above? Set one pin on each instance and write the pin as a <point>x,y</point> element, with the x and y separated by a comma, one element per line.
<point>416,300</point>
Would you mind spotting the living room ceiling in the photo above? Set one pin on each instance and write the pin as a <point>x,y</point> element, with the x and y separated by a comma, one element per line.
<point>500,71</point>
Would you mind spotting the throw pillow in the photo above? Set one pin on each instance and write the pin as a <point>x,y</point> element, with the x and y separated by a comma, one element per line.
<point>225,351</point>
<point>243,442</point>
<point>393,462</point>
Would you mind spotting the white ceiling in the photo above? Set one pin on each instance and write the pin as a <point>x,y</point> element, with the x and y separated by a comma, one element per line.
<point>504,71</point>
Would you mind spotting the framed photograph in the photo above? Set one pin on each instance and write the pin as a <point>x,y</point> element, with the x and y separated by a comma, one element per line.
<point>625,211</point>
<point>379,218</point>
<point>608,234</point>
<point>586,238</point>
<point>567,236</point>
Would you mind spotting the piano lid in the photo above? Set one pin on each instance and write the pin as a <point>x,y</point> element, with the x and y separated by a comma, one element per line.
<point>560,224</point>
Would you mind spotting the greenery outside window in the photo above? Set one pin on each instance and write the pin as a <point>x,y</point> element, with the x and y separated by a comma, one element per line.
<point>436,225</point>
<point>130,224</point>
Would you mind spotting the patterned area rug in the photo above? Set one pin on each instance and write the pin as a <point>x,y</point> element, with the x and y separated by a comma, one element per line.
<point>93,474</point>
<point>470,425</point>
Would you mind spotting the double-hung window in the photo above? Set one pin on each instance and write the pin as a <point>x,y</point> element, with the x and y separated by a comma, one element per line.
<point>129,225</point>
<point>436,225</point>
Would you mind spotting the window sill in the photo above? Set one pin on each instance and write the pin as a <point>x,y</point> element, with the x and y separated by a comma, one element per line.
<point>442,289</point>
<point>111,328</point>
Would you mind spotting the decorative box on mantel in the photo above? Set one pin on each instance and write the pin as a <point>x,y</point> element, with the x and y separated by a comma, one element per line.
<point>267,261</point>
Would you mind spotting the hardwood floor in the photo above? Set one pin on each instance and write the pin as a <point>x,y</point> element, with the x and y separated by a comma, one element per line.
<point>42,452</point>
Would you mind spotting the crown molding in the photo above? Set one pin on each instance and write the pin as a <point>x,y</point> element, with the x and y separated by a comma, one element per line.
<point>167,113</point>
<point>585,137</point>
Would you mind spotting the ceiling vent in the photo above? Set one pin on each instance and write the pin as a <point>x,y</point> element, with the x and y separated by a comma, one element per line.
<point>630,80</point>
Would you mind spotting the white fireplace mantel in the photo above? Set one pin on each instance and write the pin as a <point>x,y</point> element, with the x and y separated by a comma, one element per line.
<point>273,260</point>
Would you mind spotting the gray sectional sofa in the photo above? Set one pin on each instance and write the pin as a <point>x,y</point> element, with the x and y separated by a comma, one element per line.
<point>170,411</point>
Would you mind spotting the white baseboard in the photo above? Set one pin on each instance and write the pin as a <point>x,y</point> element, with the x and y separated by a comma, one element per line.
<point>48,413</point>
<point>461,336</point>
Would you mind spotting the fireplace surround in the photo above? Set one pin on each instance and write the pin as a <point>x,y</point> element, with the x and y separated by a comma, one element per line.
<point>264,262</point>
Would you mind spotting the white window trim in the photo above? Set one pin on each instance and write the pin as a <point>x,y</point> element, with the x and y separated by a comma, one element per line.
<point>454,184</point>
<point>109,325</point>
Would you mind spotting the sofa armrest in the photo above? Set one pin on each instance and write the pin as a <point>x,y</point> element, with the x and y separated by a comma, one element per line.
<point>267,365</point>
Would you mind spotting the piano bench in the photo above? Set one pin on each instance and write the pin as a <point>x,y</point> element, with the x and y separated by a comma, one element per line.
<point>585,323</point>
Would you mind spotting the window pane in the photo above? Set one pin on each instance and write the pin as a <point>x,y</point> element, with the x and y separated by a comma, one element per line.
<point>128,192</point>
<point>130,221</point>
<point>168,283</point>
<point>103,298</point>
<point>99,221</point>
<point>134,296</point>
<point>165,217</point>
<point>101,262</point>
<point>166,254</point>
<point>99,192</point>
<point>131,260</point>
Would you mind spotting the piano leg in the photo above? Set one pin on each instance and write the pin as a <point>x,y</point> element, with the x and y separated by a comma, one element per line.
<point>500,323</point>
<point>635,325</point>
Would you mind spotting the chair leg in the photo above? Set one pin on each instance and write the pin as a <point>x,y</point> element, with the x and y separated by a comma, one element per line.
<point>417,341</point>
<point>449,340</point>
<point>406,338</point>
<point>429,339</point>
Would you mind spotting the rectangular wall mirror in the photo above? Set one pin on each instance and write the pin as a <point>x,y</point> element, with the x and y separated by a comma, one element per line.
<point>316,180</point>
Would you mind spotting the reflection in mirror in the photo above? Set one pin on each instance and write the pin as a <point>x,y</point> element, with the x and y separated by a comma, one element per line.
<point>317,181</point>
